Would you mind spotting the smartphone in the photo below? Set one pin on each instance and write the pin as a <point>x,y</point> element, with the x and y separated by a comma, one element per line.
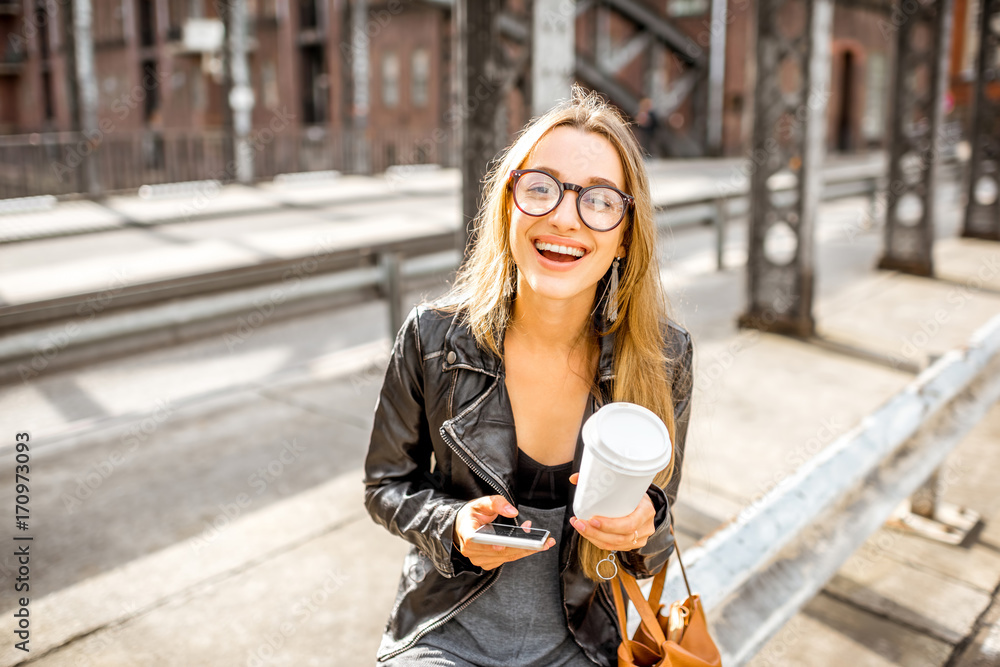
<point>511,536</point>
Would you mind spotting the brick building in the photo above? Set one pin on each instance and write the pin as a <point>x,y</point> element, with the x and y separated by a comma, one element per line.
<point>163,90</point>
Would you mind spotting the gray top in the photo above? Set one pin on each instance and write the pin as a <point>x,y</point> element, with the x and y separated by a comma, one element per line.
<point>519,621</point>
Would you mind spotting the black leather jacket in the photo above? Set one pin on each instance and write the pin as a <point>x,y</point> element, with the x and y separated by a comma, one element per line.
<point>444,435</point>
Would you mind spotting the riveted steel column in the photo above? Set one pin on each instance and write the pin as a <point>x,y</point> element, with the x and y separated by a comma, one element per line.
<point>982,213</point>
<point>923,37</point>
<point>790,101</point>
<point>480,99</point>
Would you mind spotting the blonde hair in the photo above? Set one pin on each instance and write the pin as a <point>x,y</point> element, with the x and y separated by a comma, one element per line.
<point>486,283</point>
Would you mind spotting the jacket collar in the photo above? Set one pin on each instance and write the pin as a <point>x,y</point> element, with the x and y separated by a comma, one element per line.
<point>468,355</point>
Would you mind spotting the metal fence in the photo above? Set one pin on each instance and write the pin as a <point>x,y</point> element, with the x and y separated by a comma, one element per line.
<point>756,572</point>
<point>56,163</point>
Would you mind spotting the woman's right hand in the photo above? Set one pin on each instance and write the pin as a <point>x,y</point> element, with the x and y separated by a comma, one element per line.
<point>478,513</point>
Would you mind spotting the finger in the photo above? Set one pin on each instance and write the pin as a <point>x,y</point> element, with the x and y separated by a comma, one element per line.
<point>487,508</point>
<point>641,519</point>
<point>574,478</point>
<point>604,539</point>
<point>526,525</point>
<point>503,555</point>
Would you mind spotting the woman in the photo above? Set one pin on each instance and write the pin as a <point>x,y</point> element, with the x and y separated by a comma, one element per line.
<point>557,311</point>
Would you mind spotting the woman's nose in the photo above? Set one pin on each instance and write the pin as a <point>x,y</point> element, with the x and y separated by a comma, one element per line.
<point>565,214</point>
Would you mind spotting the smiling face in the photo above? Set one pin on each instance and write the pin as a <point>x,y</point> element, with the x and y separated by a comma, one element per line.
<point>583,158</point>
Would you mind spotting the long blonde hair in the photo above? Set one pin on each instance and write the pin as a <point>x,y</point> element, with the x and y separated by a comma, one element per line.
<point>486,283</point>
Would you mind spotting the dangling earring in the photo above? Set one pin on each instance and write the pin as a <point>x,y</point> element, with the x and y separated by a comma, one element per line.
<point>611,305</point>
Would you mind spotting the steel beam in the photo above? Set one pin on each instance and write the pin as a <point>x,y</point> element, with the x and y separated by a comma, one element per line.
<point>982,213</point>
<point>360,93</point>
<point>793,66</point>
<point>923,36</point>
<point>485,80</point>
<point>553,46</point>
<point>601,71</point>
<point>85,77</point>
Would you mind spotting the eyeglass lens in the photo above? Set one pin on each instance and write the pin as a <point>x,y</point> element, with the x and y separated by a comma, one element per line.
<point>537,194</point>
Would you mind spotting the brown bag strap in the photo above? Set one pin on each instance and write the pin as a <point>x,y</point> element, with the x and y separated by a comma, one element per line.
<point>684,573</point>
<point>642,605</point>
<point>656,592</point>
<point>622,623</point>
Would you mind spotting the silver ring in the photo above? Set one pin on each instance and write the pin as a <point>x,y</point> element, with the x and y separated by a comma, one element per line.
<point>609,559</point>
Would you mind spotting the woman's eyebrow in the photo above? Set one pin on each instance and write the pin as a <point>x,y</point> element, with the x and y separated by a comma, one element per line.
<point>592,179</point>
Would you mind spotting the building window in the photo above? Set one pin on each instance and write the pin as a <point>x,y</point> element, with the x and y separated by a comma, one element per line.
<point>421,77</point>
<point>177,14</point>
<point>108,24</point>
<point>873,120</point>
<point>315,85</point>
<point>308,14</point>
<point>970,43</point>
<point>147,26</point>
<point>390,79</point>
<point>677,8</point>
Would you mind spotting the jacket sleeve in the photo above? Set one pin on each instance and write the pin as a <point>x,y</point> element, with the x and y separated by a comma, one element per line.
<point>648,559</point>
<point>400,492</point>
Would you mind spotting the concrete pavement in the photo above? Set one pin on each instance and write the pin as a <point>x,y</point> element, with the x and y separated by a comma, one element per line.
<point>228,529</point>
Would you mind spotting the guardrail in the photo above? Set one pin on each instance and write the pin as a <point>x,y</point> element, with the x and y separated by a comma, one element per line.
<point>756,572</point>
<point>389,256</point>
<point>719,208</point>
<point>51,163</point>
<point>379,275</point>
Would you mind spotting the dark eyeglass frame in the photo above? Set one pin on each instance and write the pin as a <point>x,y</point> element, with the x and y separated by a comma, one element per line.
<point>516,174</point>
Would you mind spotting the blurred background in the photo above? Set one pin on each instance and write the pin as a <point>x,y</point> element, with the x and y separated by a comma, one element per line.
<point>162,75</point>
<point>215,214</point>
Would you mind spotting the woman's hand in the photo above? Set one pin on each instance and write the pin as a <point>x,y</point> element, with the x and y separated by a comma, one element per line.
<point>621,534</point>
<point>474,515</point>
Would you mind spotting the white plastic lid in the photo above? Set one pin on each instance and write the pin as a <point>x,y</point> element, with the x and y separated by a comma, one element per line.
<point>629,437</point>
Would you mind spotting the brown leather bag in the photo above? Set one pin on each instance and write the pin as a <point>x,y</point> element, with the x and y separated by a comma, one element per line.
<point>678,638</point>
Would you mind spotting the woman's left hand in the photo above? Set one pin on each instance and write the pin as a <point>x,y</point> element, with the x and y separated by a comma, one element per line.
<point>620,534</point>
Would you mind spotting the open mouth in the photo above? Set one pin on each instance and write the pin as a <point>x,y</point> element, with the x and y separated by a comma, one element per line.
<point>559,253</point>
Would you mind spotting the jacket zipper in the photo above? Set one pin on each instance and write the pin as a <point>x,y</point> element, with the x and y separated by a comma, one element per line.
<point>487,477</point>
<point>448,616</point>
<point>498,486</point>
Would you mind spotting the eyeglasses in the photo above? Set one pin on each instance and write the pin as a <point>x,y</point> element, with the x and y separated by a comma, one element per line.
<point>537,192</point>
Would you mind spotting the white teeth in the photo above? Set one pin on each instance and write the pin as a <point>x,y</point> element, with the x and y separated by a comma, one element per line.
<point>565,250</point>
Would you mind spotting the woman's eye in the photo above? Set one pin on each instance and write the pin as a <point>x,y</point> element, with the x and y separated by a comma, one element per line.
<point>599,202</point>
<point>540,189</point>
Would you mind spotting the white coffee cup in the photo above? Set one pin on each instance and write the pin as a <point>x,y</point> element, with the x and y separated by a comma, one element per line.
<point>625,445</point>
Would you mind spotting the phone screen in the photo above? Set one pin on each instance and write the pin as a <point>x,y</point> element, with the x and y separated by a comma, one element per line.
<point>516,532</point>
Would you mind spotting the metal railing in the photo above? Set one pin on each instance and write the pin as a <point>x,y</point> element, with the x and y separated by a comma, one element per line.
<point>756,572</point>
<point>721,207</point>
<point>55,163</point>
